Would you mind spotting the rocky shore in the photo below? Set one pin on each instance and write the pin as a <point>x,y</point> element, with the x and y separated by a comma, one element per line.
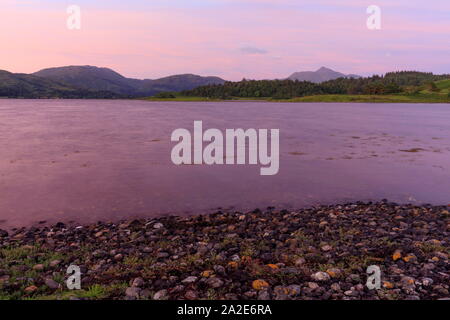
<point>314,253</point>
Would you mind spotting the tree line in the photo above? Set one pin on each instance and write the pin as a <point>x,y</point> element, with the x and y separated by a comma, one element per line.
<point>409,82</point>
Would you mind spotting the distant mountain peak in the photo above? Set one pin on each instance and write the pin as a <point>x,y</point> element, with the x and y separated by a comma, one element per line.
<point>321,69</point>
<point>320,75</point>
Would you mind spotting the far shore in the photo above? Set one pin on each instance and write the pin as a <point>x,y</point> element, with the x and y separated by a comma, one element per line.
<point>420,98</point>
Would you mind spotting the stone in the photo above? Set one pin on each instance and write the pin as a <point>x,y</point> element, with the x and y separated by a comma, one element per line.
<point>214,282</point>
<point>207,273</point>
<point>313,285</point>
<point>300,261</point>
<point>263,295</point>
<point>336,287</point>
<point>427,282</point>
<point>133,292</point>
<point>162,255</point>
<point>158,225</point>
<point>260,284</point>
<point>191,295</point>
<point>189,280</point>
<point>31,289</point>
<point>334,272</point>
<point>138,283</point>
<point>397,255</point>
<point>54,263</point>
<point>160,295</point>
<point>38,267</point>
<point>320,276</point>
<point>52,284</point>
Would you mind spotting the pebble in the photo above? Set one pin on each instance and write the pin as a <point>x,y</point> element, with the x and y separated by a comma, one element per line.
<point>320,276</point>
<point>160,295</point>
<point>189,280</point>
<point>52,284</point>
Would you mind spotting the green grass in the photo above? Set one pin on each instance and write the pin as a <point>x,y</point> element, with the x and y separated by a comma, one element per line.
<point>417,98</point>
<point>443,85</point>
<point>423,97</point>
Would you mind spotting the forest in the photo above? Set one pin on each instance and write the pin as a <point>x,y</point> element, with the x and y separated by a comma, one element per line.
<point>407,82</point>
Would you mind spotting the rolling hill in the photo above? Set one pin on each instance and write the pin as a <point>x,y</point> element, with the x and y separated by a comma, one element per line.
<point>95,78</point>
<point>20,85</point>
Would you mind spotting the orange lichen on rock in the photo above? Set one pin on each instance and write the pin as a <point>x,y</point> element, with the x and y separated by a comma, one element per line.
<point>397,255</point>
<point>260,284</point>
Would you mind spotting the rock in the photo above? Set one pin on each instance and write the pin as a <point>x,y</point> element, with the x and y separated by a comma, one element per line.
<point>52,284</point>
<point>189,280</point>
<point>334,272</point>
<point>354,278</point>
<point>158,225</point>
<point>335,287</point>
<point>263,295</point>
<point>31,289</point>
<point>191,295</point>
<point>359,287</point>
<point>3,233</point>
<point>4,279</point>
<point>54,263</point>
<point>407,281</point>
<point>313,285</point>
<point>133,292</point>
<point>162,255</point>
<point>260,284</point>
<point>138,283</point>
<point>440,289</point>
<point>320,276</point>
<point>118,257</point>
<point>38,267</point>
<point>294,290</point>
<point>160,295</point>
<point>410,258</point>
<point>327,248</point>
<point>350,293</point>
<point>427,282</point>
<point>214,282</point>
<point>299,261</point>
<point>207,273</point>
<point>145,294</point>
<point>281,293</point>
<point>98,234</point>
<point>397,255</point>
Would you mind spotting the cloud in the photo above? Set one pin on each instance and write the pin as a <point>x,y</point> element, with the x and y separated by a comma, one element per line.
<point>252,50</point>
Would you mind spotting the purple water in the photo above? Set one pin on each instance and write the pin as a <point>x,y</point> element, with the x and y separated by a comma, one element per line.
<point>89,160</point>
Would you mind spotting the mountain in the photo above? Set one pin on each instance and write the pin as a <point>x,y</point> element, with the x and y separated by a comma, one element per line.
<point>95,78</point>
<point>20,85</point>
<point>179,83</point>
<point>321,75</point>
<point>89,77</point>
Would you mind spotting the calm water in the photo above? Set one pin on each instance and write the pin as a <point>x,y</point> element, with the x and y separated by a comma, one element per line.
<point>86,160</point>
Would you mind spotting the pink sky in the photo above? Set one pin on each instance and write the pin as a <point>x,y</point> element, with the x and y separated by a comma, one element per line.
<point>228,38</point>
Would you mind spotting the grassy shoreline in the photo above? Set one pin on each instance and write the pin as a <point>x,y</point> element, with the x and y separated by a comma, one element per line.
<point>418,98</point>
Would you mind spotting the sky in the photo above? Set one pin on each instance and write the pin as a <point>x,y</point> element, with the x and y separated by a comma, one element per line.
<point>233,39</point>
